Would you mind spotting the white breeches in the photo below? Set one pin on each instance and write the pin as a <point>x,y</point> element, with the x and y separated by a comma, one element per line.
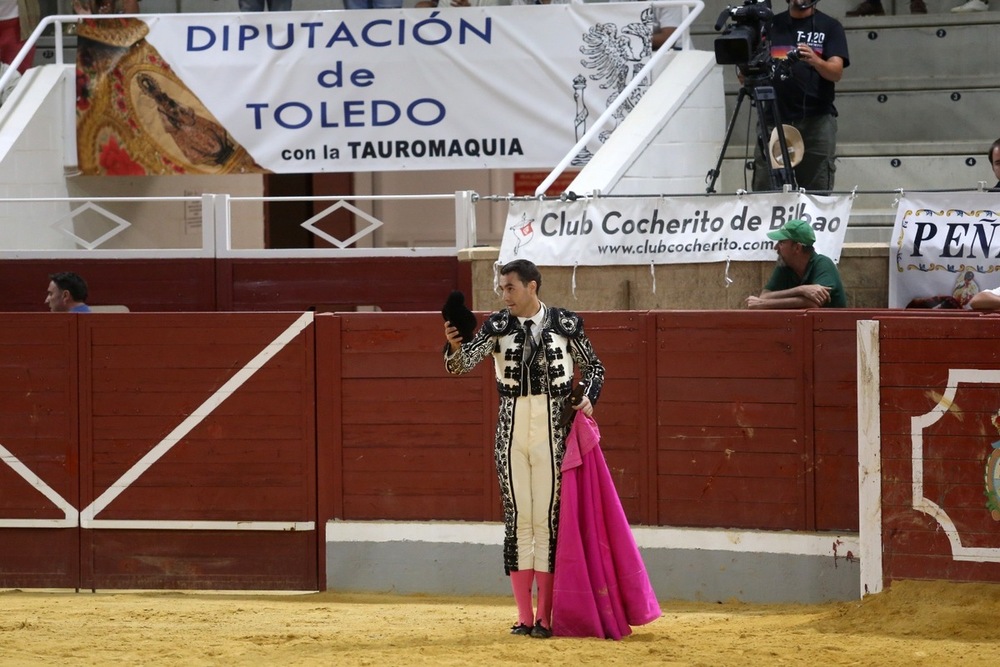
<point>533,481</point>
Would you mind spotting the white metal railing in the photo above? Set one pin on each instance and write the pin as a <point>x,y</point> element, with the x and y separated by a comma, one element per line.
<point>217,222</point>
<point>693,9</point>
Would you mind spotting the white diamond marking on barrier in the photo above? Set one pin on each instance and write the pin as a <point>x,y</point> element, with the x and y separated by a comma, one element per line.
<point>373,224</point>
<point>121,224</point>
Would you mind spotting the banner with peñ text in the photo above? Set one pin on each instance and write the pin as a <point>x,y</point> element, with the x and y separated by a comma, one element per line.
<point>303,92</point>
<point>945,248</point>
<point>666,230</point>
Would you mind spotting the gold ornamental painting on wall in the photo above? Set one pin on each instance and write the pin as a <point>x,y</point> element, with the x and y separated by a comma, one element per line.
<point>135,116</point>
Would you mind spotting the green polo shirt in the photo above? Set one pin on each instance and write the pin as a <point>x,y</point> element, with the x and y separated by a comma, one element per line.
<point>820,271</point>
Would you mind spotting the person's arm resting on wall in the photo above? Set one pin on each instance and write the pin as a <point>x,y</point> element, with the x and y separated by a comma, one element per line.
<point>985,300</point>
<point>803,296</point>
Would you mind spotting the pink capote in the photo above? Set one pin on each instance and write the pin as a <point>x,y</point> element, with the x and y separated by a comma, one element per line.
<point>601,586</point>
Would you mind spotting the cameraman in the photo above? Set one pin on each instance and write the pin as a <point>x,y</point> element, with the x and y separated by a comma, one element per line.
<point>805,96</point>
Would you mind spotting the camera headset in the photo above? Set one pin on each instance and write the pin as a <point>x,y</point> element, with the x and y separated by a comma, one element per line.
<point>804,6</point>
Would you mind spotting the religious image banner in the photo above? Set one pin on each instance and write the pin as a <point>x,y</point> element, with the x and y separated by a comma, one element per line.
<point>666,230</point>
<point>302,92</point>
<point>944,249</point>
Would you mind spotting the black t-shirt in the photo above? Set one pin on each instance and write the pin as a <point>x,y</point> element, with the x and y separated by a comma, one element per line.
<point>805,92</point>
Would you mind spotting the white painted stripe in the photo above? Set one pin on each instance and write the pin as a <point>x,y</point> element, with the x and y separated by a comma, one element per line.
<point>34,480</point>
<point>195,418</point>
<point>842,545</point>
<point>39,523</point>
<point>869,455</point>
<point>414,531</point>
<point>137,524</point>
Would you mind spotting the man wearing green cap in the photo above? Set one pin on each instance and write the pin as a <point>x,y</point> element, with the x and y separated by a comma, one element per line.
<point>803,278</point>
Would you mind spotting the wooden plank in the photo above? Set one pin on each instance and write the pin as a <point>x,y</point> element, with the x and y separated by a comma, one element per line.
<point>343,284</point>
<point>363,436</point>
<point>226,560</point>
<point>392,364</point>
<point>270,404</point>
<point>269,378</point>
<point>734,438</point>
<point>210,474</point>
<point>146,329</point>
<point>720,488</point>
<point>407,412</point>
<point>412,459</point>
<point>744,390</point>
<point>33,355</point>
<point>729,514</point>
<point>210,503</point>
<point>729,366</point>
<point>191,450</point>
<point>406,483</point>
<point>220,355</point>
<point>111,427</point>
<point>748,414</point>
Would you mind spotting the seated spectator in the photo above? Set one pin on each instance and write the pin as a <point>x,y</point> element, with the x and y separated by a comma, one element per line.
<point>803,278</point>
<point>67,293</point>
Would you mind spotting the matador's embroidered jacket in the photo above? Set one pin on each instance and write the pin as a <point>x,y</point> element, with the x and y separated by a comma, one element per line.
<point>564,346</point>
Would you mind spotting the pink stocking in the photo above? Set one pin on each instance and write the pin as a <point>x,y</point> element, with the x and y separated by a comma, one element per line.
<point>520,582</point>
<point>545,581</point>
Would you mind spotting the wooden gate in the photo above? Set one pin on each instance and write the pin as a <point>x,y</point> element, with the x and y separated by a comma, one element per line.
<point>193,440</point>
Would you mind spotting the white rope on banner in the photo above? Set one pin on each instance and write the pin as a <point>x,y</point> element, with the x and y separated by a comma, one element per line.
<point>652,272</point>
<point>574,279</point>
<point>726,278</point>
<point>899,195</point>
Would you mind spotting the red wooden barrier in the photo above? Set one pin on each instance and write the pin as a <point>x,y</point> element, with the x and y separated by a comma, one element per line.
<point>186,285</point>
<point>709,419</point>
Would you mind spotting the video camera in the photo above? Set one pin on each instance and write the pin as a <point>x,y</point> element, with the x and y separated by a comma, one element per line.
<point>744,41</point>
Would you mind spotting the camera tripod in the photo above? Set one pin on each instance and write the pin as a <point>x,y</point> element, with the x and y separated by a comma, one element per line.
<point>762,96</point>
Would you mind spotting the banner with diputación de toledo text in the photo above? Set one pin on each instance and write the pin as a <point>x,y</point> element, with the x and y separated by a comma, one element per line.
<point>301,92</point>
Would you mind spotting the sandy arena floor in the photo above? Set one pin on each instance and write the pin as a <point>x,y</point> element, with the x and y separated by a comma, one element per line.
<point>912,624</point>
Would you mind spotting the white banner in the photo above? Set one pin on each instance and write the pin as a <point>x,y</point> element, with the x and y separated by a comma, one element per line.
<point>478,87</point>
<point>944,245</point>
<point>665,230</point>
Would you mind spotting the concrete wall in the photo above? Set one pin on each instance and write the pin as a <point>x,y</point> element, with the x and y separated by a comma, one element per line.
<point>31,160</point>
<point>452,558</point>
<point>864,269</point>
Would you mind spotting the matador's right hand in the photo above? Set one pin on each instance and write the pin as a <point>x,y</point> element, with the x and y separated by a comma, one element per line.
<point>454,338</point>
